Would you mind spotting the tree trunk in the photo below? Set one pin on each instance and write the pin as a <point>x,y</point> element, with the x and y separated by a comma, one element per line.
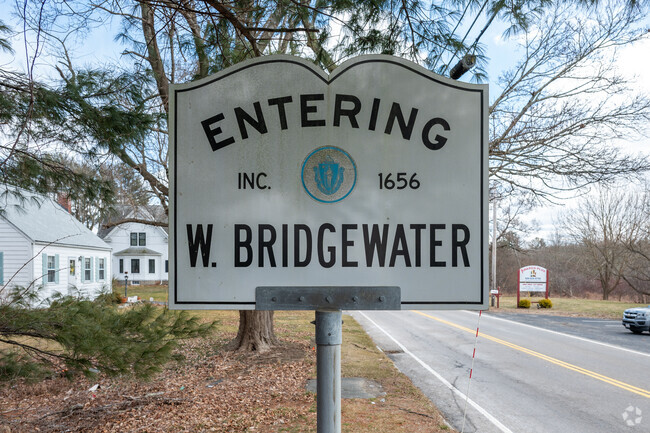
<point>255,332</point>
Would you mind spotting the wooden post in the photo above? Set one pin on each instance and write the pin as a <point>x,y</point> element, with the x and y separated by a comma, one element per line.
<point>518,285</point>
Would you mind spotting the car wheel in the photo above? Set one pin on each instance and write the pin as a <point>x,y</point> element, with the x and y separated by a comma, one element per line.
<point>635,330</point>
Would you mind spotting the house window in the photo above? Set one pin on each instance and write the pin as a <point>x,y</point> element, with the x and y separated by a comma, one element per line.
<point>166,265</point>
<point>51,269</point>
<point>87,269</point>
<point>138,239</point>
<point>121,266</point>
<point>135,266</point>
<point>102,269</point>
<point>73,265</point>
<point>152,266</point>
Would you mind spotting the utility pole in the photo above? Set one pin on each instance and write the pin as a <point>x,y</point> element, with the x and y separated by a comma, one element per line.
<point>494,244</point>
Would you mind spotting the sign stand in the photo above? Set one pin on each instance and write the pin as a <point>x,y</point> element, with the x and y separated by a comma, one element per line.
<point>328,302</point>
<point>329,337</point>
<point>532,279</point>
<point>391,203</point>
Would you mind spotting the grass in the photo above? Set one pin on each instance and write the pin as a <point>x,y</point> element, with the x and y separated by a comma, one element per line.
<point>360,357</point>
<point>570,307</point>
<point>403,409</point>
<point>158,292</point>
<point>296,325</point>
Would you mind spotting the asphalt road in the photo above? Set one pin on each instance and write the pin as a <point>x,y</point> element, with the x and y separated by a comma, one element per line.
<point>606,331</point>
<point>550,374</point>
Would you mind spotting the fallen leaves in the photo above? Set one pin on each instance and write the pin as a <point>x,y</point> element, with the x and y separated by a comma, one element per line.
<point>211,391</point>
<point>215,390</point>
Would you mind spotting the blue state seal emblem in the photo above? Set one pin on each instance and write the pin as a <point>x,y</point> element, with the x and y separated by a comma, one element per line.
<point>328,174</point>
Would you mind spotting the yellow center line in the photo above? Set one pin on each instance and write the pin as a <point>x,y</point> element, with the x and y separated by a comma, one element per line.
<point>631,388</point>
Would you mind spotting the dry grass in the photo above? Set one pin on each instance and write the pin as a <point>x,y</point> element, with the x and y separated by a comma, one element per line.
<point>570,307</point>
<point>403,409</point>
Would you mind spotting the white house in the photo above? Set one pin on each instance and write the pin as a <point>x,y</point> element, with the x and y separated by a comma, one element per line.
<point>140,251</point>
<point>43,246</point>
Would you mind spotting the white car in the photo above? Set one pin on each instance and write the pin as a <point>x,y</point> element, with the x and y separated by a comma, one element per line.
<point>637,320</point>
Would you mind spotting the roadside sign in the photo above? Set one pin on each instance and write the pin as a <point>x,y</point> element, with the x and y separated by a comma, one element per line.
<point>533,279</point>
<point>281,175</point>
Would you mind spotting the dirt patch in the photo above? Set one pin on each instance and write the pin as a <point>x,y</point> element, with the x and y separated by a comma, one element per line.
<point>286,353</point>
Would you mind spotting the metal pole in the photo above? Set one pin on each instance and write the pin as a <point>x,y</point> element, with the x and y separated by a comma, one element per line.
<point>328,371</point>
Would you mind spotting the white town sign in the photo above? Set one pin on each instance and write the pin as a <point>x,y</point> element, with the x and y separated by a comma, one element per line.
<point>282,175</point>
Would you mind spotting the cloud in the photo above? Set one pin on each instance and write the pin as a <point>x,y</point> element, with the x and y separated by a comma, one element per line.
<point>634,63</point>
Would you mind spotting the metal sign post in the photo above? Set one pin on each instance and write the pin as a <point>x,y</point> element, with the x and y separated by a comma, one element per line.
<point>329,337</point>
<point>328,301</point>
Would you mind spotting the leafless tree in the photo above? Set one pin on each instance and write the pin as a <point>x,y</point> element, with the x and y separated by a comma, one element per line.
<point>637,273</point>
<point>510,210</point>
<point>562,105</point>
<point>562,259</point>
<point>605,226</point>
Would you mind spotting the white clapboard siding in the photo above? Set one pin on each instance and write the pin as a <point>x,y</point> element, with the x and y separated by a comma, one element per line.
<point>66,283</point>
<point>157,240</point>
<point>33,229</point>
<point>17,251</point>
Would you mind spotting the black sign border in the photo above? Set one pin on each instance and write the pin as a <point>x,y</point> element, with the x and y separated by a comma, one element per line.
<point>327,81</point>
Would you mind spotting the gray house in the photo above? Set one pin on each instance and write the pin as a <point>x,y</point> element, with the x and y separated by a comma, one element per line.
<point>42,245</point>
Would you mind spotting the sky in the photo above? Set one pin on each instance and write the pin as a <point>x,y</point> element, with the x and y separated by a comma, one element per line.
<point>633,62</point>
<point>99,47</point>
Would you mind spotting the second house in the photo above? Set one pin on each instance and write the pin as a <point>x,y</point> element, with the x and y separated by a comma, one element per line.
<point>140,250</point>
